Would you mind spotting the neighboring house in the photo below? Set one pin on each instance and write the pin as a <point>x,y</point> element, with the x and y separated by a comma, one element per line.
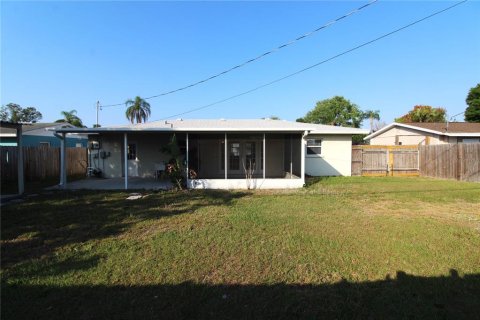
<point>278,153</point>
<point>424,133</point>
<point>41,134</point>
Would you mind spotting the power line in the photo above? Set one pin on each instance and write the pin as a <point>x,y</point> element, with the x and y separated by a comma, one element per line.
<point>257,57</point>
<point>319,63</point>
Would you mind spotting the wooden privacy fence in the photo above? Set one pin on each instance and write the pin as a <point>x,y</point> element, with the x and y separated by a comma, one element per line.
<point>451,161</point>
<point>41,162</point>
<point>385,161</point>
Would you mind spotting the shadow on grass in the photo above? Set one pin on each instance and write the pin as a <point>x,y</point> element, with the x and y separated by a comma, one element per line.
<point>407,296</point>
<point>38,226</point>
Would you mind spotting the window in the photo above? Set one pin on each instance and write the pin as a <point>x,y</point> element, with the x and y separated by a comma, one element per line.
<point>250,155</point>
<point>234,156</point>
<point>132,152</point>
<point>314,147</point>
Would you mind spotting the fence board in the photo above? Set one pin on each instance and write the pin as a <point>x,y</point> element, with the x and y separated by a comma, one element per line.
<point>451,161</point>
<point>357,161</point>
<point>385,160</point>
<point>41,162</point>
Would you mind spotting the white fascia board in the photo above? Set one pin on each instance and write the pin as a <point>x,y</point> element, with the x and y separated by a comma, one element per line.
<point>8,135</point>
<point>463,134</point>
<point>376,133</point>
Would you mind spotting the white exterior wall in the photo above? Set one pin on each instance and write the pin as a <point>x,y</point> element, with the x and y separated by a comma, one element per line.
<point>335,158</point>
<point>112,165</point>
<point>242,183</point>
<point>148,153</point>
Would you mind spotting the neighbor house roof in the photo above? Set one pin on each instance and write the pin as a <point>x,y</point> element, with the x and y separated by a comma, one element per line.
<point>223,125</point>
<point>451,129</point>
<point>8,131</point>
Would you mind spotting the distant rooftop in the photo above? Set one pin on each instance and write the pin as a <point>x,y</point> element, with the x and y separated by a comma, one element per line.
<point>6,127</point>
<point>458,127</point>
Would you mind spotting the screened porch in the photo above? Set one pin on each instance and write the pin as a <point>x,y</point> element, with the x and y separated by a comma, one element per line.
<point>241,156</point>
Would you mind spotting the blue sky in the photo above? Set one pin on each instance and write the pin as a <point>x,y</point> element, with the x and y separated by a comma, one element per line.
<point>67,55</point>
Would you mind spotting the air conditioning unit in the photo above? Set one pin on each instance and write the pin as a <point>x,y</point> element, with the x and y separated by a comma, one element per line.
<point>94,145</point>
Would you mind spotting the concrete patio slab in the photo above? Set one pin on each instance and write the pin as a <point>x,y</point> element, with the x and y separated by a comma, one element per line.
<point>134,183</point>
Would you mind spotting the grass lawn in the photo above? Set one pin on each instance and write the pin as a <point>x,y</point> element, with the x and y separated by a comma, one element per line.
<point>340,248</point>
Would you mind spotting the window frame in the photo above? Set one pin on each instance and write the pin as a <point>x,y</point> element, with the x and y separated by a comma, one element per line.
<point>316,145</point>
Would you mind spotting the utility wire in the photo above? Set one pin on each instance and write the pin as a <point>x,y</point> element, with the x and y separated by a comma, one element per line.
<point>256,58</point>
<point>319,63</point>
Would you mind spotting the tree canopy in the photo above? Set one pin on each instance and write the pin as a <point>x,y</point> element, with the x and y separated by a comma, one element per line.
<point>422,113</point>
<point>138,110</point>
<point>336,111</point>
<point>472,113</point>
<point>72,118</point>
<point>13,112</point>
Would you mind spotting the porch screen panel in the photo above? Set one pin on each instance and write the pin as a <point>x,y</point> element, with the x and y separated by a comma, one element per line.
<point>244,152</point>
<point>297,155</point>
<point>275,156</point>
<point>206,155</point>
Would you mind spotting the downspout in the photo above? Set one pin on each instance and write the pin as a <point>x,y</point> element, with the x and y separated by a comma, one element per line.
<point>302,151</point>
<point>188,165</point>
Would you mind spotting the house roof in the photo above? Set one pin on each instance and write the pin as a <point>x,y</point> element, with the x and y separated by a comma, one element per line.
<point>8,131</point>
<point>223,125</point>
<point>451,129</point>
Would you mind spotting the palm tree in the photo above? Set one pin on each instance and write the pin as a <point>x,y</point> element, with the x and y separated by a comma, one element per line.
<point>372,115</point>
<point>71,117</point>
<point>137,110</point>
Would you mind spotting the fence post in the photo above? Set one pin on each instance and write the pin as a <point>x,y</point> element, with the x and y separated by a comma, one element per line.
<point>389,161</point>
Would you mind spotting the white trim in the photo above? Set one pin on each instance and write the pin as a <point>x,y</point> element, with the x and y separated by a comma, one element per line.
<point>226,157</point>
<point>264,157</point>
<point>257,183</point>
<point>187,169</point>
<point>125,160</point>
<point>348,131</point>
<point>302,148</point>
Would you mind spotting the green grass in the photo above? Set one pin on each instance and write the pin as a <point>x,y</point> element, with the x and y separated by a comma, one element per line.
<point>340,248</point>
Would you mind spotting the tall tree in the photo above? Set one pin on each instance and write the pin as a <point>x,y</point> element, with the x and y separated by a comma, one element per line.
<point>336,111</point>
<point>371,115</point>
<point>422,113</point>
<point>72,118</point>
<point>15,113</point>
<point>138,110</point>
<point>472,113</point>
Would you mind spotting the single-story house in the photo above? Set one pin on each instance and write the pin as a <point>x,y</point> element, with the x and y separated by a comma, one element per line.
<point>424,133</point>
<point>41,134</point>
<point>276,153</point>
